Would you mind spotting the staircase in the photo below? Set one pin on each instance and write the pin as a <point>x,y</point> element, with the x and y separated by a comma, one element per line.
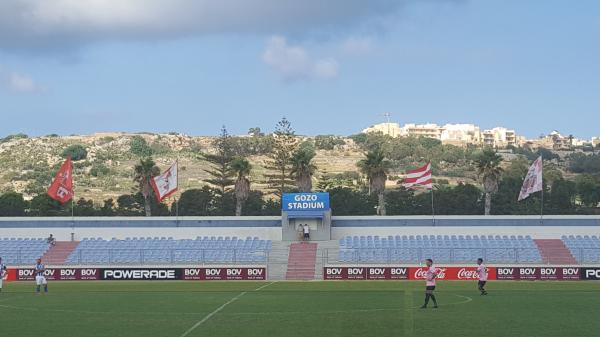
<point>301,261</point>
<point>328,252</point>
<point>554,251</point>
<point>278,260</point>
<point>58,253</point>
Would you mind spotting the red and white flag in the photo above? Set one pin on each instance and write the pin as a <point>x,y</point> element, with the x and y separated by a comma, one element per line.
<point>165,184</point>
<point>419,178</point>
<point>61,189</point>
<point>533,179</point>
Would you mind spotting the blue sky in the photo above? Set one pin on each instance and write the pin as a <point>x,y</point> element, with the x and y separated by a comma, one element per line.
<point>191,66</point>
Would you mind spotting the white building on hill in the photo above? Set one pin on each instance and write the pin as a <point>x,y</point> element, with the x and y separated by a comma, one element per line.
<point>457,134</point>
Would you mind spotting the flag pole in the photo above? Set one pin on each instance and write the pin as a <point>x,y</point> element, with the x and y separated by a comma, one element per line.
<point>542,208</point>
<point>177,203</point>
<point>72,205</point>
<point>542,204</point>
<point>432,208</point>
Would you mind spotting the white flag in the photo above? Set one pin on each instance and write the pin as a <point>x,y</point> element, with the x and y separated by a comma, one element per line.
<point>533,180</point>
<point>165,184</point>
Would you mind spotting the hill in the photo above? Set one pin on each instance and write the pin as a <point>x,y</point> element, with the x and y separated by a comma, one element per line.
<point>104,168</point>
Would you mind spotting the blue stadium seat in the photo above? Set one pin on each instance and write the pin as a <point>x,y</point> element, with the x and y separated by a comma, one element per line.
<point>444,249</point>
<point>170,251</point>
<point>22,250</point>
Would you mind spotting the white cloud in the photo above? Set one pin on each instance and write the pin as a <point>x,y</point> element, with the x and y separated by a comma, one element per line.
<point>326,68</point>
<point>21,83</point>
<point>17,82</point>
<point>293,63</point>
<point>357,45</point>
<point>57,24</point>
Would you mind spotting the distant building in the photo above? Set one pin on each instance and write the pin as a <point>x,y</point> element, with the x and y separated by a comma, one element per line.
<point>457,134</point>
<point>424,130</point>
<point>461,134</point>
<point>390,129</point>
<point>499,137</point>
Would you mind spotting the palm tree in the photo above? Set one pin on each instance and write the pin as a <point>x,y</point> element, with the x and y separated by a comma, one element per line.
<point>144,171</point>
<point>489,170</point>
<point>571,142</point>
<point>303,168</point>
<point>376,168</point>
<point>241,168</point>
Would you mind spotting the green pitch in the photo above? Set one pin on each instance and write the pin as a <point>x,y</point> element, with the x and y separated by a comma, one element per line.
<point>307,309</point>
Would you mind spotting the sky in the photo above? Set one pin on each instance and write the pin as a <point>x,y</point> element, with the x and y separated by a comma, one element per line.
<point>330,67</point>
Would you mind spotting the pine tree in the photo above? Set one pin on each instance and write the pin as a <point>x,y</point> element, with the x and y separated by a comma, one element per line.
<point>220,162</point>
<point>279,165</point>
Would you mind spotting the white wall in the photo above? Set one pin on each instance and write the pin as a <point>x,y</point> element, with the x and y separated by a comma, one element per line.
<point>536,232</point>
<point>274,233</point>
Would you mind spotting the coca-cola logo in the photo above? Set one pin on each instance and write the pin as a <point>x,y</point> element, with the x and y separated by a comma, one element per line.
<point>465,274</point>
<point>421,273</point>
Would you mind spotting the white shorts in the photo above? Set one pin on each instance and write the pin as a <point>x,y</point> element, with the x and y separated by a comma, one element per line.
<point>39,280</point>
<point>1,279</point>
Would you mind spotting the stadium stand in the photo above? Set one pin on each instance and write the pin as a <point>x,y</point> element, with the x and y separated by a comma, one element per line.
<point>444,249</point>
<point>22,250</point>
<point>170,251</point>
<point>585,249</point>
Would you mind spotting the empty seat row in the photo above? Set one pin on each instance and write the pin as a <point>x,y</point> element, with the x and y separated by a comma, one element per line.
<point>442,248</point>
<point>22,250</point>
<point>171,251</point>
<point>584,248</point>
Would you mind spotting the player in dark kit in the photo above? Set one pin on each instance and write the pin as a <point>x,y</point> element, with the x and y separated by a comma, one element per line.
<point>430,275</point>
<point>482,271</point>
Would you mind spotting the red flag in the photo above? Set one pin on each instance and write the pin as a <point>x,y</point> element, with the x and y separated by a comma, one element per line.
<point>420,177</point>
<point>61,189</point>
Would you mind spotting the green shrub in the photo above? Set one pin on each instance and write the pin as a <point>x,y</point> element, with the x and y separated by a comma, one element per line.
<point>139,147</point>
<point>75,151</point>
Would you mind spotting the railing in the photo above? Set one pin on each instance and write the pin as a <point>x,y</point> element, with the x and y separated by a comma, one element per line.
<point>167,256</point>
<point>449,255</point>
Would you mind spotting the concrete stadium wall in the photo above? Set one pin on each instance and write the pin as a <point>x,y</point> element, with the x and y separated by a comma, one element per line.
<point>270,227</point>
<point>63,229</point>
<point>537,232</point>
<point>548,227</point>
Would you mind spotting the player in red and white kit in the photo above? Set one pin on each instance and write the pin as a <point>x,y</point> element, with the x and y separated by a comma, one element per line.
<point>430,276</point>
<point>483,276</point>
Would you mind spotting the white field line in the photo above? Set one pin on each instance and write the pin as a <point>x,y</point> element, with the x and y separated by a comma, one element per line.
<point>264,286</point>
<point>467,300</point>
<point>207,317</point>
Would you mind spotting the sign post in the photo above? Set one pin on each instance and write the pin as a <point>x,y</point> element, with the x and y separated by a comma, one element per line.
<point>311,209</point>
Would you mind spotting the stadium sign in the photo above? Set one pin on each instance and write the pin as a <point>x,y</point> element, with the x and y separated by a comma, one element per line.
<point>140,274</point>
<point>538,273</point>
<point>59,274</point>
<point>224,274</point>
<point>453,273</point>
<point>590,273</point>
<point>119,274</point>
<point>461,273</point>
<point>305,202</point>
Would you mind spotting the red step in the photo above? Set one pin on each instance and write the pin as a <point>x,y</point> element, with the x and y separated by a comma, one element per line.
<point>58,253</point>
<point>301,261</point>
<point>554,251</point>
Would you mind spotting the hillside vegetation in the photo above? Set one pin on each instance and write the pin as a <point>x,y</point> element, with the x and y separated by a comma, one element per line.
<point>104,167</point>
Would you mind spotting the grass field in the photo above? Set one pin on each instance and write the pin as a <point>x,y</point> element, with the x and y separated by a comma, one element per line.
<point>379,309</point>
